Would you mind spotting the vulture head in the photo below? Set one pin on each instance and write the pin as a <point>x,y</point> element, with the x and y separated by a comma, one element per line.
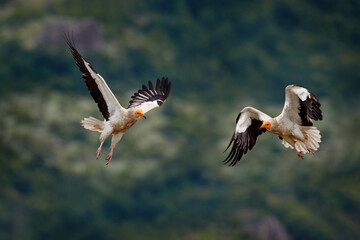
<point>266,125</point>
<point>139,113</point>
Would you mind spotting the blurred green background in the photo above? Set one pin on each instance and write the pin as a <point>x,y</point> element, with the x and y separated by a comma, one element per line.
<point>167,179</point>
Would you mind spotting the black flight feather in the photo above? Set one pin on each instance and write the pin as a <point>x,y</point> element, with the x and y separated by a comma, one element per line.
<point>149,94</point>
<point>90,82</point>
<point>242,142</point>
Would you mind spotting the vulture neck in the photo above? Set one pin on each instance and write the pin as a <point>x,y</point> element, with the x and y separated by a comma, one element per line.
<point>275,127</point>
<point>130,115</point>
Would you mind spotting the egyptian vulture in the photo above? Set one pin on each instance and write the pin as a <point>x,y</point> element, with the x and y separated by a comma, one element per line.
<point>293,126</point>
<point>117,119</point>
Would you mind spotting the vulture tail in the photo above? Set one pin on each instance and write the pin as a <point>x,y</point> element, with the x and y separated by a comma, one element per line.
<point>92,124</point>
<point>313,139</point>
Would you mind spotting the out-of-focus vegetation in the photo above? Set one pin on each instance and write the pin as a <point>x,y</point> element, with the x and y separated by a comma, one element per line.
<point>166,180</point>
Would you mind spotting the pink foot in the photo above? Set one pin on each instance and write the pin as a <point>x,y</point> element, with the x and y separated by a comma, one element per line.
<point>299,154</point>
<point>108,158</point>
<point>98,152</point>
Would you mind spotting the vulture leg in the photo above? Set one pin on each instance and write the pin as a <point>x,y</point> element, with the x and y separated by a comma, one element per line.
<point>109,156</point>
<point>115,139</point>
<point>107,131</point>
<point>98,151</point>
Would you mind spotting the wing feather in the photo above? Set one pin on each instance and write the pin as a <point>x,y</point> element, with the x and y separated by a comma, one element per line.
<point>151,97</point>
<point>301,106</point>
<point>248,124</point>
<point>99,90</point>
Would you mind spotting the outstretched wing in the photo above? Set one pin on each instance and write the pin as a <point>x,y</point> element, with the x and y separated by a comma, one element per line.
<point>148,98</point>
<point>99,90</point>
<point>300,106</point>
<point>247,130</point>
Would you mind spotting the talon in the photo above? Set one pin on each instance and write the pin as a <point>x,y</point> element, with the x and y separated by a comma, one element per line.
<point>299,154</point>
<point>108,158</point>
<point>98,153</point>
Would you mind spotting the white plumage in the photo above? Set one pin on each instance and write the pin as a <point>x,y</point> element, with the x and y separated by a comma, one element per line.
<point>293,125</point>
<point>117,118</point>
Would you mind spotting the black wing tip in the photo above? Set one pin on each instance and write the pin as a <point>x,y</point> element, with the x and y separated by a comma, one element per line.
<point>231,140</point>
<point>313,110</point>
<point>234,156</point>
<point>236,152</point>
<point>165,86</point>
<point>309,108</point>
<point>69,39</point>
<point>151,87</point>
<point>168,89</point>
<point>316,107</point>
<point>243,142</point>
<point>89,81</point>
<point>160,92</point>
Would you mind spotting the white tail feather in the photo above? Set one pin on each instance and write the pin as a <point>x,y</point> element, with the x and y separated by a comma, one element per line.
<point>92,124</point>
<point>313,138</point>
<point>286,144</point>
<point>300,147</point>
<point>312,141</point>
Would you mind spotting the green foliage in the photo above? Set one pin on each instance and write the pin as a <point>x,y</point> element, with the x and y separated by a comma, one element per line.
<point>166,180</point>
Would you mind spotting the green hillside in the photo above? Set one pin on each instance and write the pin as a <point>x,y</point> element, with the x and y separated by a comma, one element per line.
<point>167,179</point>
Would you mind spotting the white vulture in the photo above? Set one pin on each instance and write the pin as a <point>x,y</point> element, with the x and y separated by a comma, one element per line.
<point>293,126</point>
<point>117,118</point>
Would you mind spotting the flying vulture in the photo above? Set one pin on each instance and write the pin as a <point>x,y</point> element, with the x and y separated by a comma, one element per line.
<point>293,126</point>
<point>117,119</point>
